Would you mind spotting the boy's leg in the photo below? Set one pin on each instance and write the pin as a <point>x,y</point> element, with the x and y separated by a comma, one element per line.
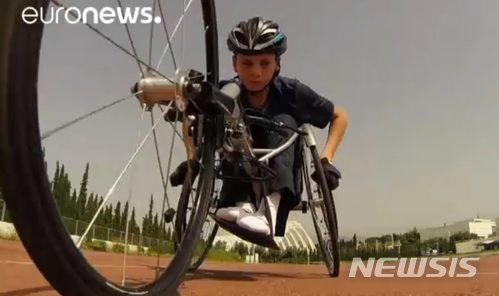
<point>237,197</point>
<point>283,197</point>
<point>234,195</point>
<point>234,200</point>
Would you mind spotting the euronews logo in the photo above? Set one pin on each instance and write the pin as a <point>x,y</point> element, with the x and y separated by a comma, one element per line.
<point>90,15</point>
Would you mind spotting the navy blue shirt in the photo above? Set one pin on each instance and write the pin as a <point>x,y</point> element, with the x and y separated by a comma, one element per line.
<point>290,96</point>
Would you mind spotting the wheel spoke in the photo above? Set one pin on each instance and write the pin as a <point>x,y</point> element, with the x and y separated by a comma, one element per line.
<point>128,213</point>
<point>183,35</point>
<point>162,175</point>
<point>155,4</point>
<point>131,42</point>
<point>168,39</point>
<point>111,190</point>
<point>168,45</point>
<point>78,119</point>
<point>56,2</point>
<point>166,201</point>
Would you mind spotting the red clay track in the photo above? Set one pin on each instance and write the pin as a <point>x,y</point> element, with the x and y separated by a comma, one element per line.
<point>19,277</point>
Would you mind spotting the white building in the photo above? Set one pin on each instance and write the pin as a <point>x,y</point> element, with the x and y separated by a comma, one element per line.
<point>481,227</point>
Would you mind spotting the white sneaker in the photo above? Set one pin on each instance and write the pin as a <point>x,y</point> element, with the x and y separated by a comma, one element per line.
<point>233,213</point>
<point>257,222</point>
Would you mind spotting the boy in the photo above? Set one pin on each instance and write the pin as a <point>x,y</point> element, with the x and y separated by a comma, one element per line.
<point>257,46</point>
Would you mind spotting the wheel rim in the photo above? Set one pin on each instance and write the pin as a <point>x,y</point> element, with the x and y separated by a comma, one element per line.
<point>208,232</point>
<point>319,217</point>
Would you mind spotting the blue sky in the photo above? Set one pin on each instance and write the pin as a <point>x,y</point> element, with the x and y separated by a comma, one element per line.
<point>418,78</point>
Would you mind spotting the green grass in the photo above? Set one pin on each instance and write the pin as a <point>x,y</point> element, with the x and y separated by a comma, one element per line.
<point>224,256</point>
<point>100,246</point>
<point>12,236</point>
<point>478,253</point>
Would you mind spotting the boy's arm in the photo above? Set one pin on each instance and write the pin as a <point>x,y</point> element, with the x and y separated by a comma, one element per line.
<point>320,112</point>
<point>337,128</point>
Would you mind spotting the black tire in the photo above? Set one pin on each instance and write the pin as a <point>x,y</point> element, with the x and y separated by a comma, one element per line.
<point>181,223</point>
<point>23,178</point>
<point>206,249</point>
<point>329,246</point>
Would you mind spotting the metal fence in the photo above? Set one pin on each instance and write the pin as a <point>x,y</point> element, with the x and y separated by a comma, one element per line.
<point>3,210</point>
<point>76,227</point>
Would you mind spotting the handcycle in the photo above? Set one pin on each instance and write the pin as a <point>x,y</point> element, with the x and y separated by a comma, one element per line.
<point>26,188</point>
<point>305,149</point>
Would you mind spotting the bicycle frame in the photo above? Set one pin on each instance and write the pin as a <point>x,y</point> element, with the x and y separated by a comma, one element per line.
<point>309,142</point>
<point>188,86</point>
<point>227,98</point>
<point>266,154</point>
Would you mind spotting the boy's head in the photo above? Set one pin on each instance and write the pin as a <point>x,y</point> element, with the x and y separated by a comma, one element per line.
<point>257,46</point>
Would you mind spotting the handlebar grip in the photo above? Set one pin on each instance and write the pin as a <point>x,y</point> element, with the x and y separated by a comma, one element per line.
<point>231,89</point>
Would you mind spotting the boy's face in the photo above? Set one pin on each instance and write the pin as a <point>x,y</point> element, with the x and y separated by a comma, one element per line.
<point>255,71</point>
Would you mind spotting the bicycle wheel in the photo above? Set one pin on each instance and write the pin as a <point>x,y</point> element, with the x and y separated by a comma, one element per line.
<point>327,237</point>
<point>181,220</point>
<point>24,181</point>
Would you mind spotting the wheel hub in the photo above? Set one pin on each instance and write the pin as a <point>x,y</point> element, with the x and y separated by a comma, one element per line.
<point>154,89</point>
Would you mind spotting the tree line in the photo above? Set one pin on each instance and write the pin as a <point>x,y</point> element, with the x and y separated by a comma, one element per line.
<point>78,204</point>
<point>81,205</point>
<point>408,244</point>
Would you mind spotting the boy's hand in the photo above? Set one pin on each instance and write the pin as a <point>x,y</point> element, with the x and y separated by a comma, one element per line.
<point>333,175</point>
<point>178,176</point>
